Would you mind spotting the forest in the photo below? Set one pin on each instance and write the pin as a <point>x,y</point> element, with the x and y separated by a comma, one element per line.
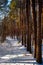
<point>23,19</point>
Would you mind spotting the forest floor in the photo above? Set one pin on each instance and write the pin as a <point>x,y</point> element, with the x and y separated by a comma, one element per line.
<point>13,53</point>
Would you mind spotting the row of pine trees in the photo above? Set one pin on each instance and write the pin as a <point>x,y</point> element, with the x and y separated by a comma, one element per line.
<point>32,33</point>
<point>28,27</point>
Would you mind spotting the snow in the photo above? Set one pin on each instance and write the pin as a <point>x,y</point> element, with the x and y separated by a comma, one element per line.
<point>13,53</point>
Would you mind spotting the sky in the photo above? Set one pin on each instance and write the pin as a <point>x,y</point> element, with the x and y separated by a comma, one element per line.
<point>8,2</point>
<point>2,13</point>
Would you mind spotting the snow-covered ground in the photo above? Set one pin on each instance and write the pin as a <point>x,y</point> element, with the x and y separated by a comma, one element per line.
<point>13,53</point>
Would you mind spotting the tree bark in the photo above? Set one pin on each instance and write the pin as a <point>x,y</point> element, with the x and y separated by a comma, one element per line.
<point>39,41</point>
<point>34,27</point>
<point>24,22</point>
<point>21,22</point>
<point>28,25</point>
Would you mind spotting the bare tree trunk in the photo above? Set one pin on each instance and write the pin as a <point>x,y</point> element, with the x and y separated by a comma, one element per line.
<point>34,27</point>
<point>22,28</point>
<point>28,25</point>
<point>24,21</point>
<point>21,21</point>
<point>39,41</point>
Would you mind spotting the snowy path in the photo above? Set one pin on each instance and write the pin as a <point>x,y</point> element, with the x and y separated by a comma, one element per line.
<point>12,53</point>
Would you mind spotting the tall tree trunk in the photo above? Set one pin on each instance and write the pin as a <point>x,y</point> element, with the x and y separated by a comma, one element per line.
<point>28,25</point>
<point>24,22</point>
<point>21,21</point>
<point>39,41</point>
<point>22,26</point>
<point>34,27</point>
